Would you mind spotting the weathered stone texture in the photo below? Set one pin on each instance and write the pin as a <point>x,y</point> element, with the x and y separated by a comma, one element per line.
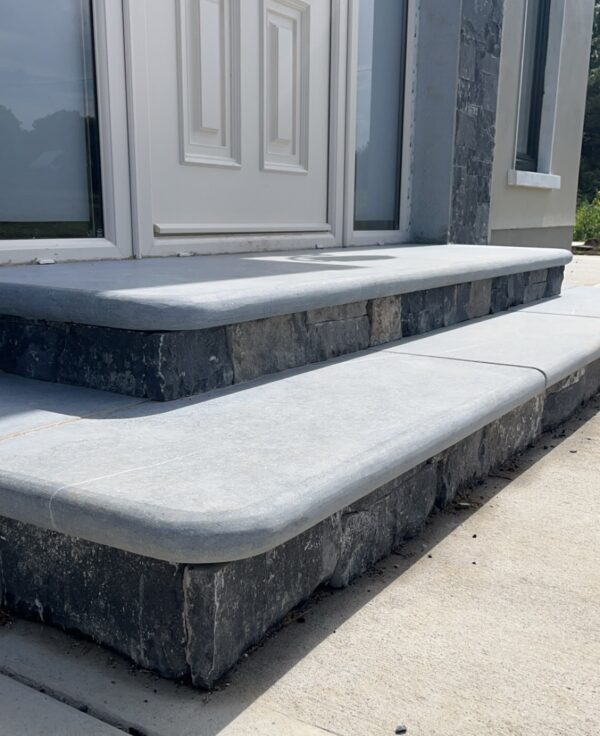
<point>170,365</point>
<point>567,396</point>
<point>230,607</point>
<point>130,603</point>
<point>196,621</point>
<point>154,365</point>
<point>524,288</point>
<point>271,345</point>
<point>385,316</point>
<point>479,69</point>
<point>378,523</point>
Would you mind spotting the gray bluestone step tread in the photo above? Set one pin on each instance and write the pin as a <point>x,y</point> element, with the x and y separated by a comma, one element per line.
<point>241,471</point>
<point>555,344</point>
<point>209,291</point>
<point>235,474</point>
<point>579,301</point>
<point>31,405</point>
<point>27,712</point>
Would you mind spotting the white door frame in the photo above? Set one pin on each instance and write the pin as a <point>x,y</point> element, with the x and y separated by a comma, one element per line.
<point>116,195</point>
<point>150,238</point>
<point>381,237</point>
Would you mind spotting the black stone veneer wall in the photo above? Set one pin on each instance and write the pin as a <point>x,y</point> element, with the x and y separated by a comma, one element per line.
<point>478,75</point>
<point>196,621</point>
<point>170,365</point>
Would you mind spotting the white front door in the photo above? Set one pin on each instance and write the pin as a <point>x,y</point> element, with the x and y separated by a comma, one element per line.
<point>238,116</point>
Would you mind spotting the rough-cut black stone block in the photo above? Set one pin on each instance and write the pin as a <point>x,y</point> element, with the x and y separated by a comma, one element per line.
<point>377,524</point>
<point>477,94</point>
<point>153,365</point>
<point>171,365</point>
<point>567,396</point>
<point>195,621</point>
<point>275,344</point>
<point>130,603</point>
<point>554,282</point>
<point>230,607</point>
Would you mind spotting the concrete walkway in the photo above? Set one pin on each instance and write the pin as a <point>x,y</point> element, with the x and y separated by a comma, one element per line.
<point>487,624</point>
<point>583,271</point>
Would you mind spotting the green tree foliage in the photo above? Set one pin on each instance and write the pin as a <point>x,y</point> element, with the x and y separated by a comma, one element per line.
<point>587,222</point>
<point>589,177</point>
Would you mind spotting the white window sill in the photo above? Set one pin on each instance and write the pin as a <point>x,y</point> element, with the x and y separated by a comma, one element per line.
<point>533,180</point>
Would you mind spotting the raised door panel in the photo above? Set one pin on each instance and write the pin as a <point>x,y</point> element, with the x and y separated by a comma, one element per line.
<point>238,116</point>
<point>209,60</point>
<point>285,85</point>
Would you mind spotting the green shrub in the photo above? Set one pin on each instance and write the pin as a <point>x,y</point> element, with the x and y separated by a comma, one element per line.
<point>587,220</point>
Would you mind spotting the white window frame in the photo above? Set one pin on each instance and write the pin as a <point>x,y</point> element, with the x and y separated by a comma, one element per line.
<point>545,178</point>
<point>403,233</point>
<point>116,196</point>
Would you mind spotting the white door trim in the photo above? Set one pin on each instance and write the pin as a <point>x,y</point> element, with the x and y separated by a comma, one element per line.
<point>112,111</point>
<point>156,239</point>
<point>403,234</point>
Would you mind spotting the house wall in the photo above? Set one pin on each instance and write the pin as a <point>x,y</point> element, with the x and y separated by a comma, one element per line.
<point>533,216</point>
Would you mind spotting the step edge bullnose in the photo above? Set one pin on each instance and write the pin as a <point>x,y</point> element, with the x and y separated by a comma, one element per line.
<point>72,511</point>
<point>81,306</point>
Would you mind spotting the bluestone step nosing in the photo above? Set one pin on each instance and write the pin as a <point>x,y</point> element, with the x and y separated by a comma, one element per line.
<point>36,292</point>
<point>282,446</point>
<point>207,538</point>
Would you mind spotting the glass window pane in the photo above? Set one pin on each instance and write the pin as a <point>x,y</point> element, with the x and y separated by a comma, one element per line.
<point>535,49</point>
<point>529,53</point>
<point>49,148</point>
<point>379,109</point>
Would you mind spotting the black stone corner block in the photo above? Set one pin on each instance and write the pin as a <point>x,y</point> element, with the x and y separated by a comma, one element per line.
<point>190,363</point>
<point>129,603</point>
<point>554,281</point>
<point>154,365</point>
<point>230,607</point>
<point>563,399</point>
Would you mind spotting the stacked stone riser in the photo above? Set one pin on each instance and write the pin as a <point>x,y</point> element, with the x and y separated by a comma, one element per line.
<point>195,621</point>
<point>170,365</point>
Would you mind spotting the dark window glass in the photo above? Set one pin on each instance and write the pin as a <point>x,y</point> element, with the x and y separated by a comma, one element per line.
<point>49,149</point>
<point>532,84</point>
<point>381,57</point>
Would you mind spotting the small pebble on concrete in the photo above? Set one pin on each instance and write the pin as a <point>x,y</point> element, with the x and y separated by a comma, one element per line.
<point>401,729</point>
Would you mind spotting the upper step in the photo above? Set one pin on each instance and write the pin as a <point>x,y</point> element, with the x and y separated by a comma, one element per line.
<point>240,471</point>
<point>171,327</point>
<point>164,294</point>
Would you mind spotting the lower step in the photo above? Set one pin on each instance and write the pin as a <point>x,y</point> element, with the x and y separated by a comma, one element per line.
<point>196,620</point>
<point>166,365</point>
